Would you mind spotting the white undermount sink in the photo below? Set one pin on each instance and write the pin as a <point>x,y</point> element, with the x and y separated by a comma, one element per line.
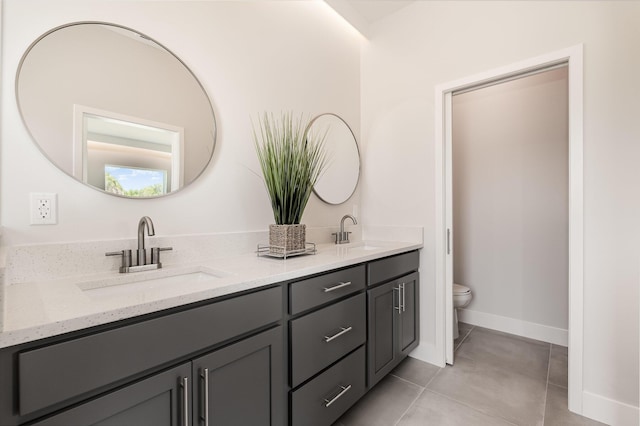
<point>362,246</point>
<point>365,247</point>
<point>138,283</point>
<point>356,247</point>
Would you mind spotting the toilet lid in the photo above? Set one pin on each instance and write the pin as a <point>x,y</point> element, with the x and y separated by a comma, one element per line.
<point>460,289</point>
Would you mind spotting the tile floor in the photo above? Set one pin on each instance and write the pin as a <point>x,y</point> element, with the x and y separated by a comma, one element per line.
<point>497,379</point>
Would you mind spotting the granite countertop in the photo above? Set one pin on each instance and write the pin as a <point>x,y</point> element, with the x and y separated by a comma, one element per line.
<point>36,310</point>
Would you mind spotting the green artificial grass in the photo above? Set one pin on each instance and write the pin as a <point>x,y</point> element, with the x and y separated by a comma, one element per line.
<point>291,161</point>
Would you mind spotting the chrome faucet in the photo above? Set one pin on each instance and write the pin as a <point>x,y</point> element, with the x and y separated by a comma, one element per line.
<point>141,253</point>
<point>342,237</point>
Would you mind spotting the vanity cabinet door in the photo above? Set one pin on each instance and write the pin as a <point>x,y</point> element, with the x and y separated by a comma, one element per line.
<point>393,324</point>
<point>241,384</point>
<point>383,331</point>
<point>160,400</point>
<point>408,316</point>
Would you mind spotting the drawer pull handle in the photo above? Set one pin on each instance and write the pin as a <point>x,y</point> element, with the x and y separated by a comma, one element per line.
<point>205,380</point>
<point>185,401</point>
<point>335,287</point>
<point>338,334</point>
<point>344,389</point>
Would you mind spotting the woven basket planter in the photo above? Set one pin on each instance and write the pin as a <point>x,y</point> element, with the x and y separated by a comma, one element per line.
<point>284,239</point>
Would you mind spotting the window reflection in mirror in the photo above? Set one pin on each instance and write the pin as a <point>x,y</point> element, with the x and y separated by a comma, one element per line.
<point>126,155</point>
<point>134,182</point>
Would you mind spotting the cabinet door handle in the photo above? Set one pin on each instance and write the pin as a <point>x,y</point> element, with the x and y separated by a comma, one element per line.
<point>205,381</point>
<point>404,292</point>
<point>399,307</point>
<point>338,334</point>
<point>343,390</point>
<point>335,287</point>
<point>185,401</point>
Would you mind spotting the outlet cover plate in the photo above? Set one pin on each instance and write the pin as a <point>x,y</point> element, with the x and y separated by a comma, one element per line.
<point>44,208</point>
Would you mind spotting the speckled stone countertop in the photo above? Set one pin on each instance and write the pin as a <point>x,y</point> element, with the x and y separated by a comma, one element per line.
<point>40,309</point>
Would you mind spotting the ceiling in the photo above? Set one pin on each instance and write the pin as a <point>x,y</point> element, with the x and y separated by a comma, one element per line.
<point>373,10</point>
<point>361,14</point>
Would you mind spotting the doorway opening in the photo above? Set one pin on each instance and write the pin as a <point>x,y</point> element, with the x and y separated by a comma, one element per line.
<point>572,58</point>
<point>510,206</point>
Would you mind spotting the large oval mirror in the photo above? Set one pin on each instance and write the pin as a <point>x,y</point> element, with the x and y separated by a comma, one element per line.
<point>339,180</point>
<point>115,110</point>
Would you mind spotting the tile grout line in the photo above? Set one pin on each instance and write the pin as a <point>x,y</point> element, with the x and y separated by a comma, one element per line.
<point>434,376</point>
<point>471,407</point>
<point>409,407</point>
<point>469,356</point>
<point>546,389</point>
<point>463,339</point>
<point>424,389</point>
<point>480,410</point>
<point>407,381</point>
<point>416,384</point>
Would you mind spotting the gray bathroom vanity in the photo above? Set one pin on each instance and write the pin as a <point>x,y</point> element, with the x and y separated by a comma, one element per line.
<point>299,352</point>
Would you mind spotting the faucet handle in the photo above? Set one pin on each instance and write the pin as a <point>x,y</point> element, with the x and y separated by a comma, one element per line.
<point>341,237</point>
<point>126,258</point>
<point>155,255</point>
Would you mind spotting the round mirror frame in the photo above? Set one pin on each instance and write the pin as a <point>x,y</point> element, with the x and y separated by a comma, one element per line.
<point>146,37</point>
<point>355,142</point>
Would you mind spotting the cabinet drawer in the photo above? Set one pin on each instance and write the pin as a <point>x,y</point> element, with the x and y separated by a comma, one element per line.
<point>392,267</point>
<point>324,399</point>
<point>324,336</point>
<point>66,370</point>
<point>318,290</point>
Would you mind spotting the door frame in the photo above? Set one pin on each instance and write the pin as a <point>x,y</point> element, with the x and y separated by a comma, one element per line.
<point>573,57</point>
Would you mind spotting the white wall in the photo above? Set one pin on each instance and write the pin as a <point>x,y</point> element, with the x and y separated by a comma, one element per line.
<point>431,43</point>
<point>250,57</point>
<point>510,198</point>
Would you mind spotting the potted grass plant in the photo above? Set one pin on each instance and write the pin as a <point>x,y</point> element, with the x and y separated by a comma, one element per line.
<point>291,161</point>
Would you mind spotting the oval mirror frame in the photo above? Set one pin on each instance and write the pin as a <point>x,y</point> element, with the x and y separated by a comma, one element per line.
<point>340,179</point>
<point>168,136</point>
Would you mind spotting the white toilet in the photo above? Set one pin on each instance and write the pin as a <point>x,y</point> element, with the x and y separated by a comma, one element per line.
<point>461,298</point>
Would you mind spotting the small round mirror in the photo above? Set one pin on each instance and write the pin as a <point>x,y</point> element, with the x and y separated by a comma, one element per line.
<point>340,178</point>
<point>115,110</point>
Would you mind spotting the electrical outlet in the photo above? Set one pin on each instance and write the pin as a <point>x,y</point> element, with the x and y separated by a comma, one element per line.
<point>44,208</point>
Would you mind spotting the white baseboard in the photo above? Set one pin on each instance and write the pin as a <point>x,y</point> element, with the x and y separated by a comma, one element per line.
<point>518,327</point>
<point>427,352</point>
<point>609,411</point>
